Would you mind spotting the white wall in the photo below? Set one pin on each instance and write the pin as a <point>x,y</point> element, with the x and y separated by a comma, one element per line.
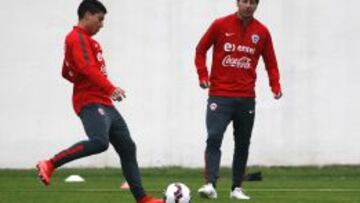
<point>149,48</point>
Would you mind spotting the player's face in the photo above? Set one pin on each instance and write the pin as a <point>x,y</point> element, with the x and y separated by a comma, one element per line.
<point>94,22</point>
<point>246,8</point>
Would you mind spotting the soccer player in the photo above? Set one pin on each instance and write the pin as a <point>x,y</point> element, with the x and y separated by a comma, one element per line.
<point>93,93</point>
<point>238,40</point>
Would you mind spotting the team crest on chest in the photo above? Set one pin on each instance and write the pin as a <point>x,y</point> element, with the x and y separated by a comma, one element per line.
<point>255,38</point>
<point>99,56</point>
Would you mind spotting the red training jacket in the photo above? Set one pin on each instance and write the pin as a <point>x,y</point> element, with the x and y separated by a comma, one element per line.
<point>85,67</point>
<point>236,52</point>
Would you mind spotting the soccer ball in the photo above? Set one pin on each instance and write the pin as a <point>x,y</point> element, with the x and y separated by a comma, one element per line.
<point>177,193</point>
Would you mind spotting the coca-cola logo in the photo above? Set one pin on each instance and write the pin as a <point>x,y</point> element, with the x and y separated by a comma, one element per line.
<point>243,62</point>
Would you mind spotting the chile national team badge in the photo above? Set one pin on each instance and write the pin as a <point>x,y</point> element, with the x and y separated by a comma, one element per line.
<point>213,106</point>
<point>101,111</point>
<point>255,38</point>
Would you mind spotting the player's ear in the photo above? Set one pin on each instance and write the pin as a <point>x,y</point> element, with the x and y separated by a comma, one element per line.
<point>87,14</point>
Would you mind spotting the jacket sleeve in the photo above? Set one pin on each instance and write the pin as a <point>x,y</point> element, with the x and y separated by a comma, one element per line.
<point>67,73</point>
<point>85,64</point>
<point>207,40</point>
<point>271,65</point>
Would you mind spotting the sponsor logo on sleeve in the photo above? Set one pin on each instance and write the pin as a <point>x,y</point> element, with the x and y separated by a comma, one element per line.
<point>103,69</point>
<point>99,57</point>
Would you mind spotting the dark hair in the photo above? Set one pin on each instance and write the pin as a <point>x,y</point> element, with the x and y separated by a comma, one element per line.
<point>92,6</point>
<point>257,1</point>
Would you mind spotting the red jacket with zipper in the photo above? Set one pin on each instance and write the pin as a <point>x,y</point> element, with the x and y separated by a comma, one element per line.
<point>236,52</point>
<point>85,67</point>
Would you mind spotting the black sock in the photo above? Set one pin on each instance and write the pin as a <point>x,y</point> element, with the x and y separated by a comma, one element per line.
<point>214,185</point>
<point>234,186</point>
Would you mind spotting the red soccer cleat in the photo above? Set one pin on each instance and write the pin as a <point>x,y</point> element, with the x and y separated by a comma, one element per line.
<point>148,199</point>
<point>45,170</point>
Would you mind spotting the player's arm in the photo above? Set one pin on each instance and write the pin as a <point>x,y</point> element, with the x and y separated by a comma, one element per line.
<point>202,47</point>
<point>271,66</point>
<point>67,73</point>
<point>85,65</point>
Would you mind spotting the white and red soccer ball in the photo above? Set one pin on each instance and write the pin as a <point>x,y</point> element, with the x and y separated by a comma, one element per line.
<point>177,193</point>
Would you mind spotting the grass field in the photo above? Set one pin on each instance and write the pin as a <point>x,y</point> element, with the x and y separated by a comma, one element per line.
<point>337,184</point>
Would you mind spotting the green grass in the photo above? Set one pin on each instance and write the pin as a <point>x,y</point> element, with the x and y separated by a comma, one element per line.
<point>280,185</point>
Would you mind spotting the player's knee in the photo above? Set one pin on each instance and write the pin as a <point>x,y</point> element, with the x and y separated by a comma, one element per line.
<point>101,145</point>
<point>213,142</point>
<point>242,145</point>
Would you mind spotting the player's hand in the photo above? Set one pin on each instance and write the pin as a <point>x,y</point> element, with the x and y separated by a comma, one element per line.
<point>278,95</point>
<point>204,84</point>
<point>118,94</point>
